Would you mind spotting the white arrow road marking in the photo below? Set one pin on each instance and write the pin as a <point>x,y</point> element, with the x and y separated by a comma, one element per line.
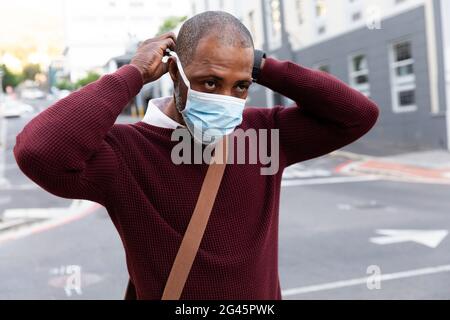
<point>363,281</point>
<point>87,279</point>
<point>429,238</point>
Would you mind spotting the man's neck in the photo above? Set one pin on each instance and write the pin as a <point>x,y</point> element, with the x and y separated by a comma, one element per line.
<point>171,111</point>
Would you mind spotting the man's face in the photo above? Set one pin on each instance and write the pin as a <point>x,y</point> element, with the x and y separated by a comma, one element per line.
<point>215,68</point>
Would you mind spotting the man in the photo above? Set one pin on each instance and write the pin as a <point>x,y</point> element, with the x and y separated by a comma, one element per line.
<point>74,150</point>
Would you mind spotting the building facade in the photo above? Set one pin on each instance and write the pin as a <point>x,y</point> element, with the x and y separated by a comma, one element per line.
<point>96,31</point>
<point>397,52</point>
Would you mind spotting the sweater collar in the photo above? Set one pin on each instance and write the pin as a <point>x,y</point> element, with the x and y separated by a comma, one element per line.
<point>155,115</point>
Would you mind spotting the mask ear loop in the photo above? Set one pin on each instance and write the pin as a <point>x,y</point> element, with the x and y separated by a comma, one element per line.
<point>165,59</point>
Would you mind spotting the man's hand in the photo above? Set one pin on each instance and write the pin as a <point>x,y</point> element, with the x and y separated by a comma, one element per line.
<point>149,55</point>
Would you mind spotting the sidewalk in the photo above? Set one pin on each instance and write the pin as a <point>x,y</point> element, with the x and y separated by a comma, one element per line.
<point>423,166</point>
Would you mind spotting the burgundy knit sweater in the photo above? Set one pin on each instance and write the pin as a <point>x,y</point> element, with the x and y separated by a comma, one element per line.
<point>73,149</point>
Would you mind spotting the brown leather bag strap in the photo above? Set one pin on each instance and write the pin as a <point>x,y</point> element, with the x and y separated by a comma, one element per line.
<point>196,228</point>
<point>197,225</point>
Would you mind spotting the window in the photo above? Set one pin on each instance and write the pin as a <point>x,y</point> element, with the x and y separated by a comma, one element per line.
<point>321,21</point>
<point>322,67</point>
<point>136,4</point>
<point>320,8</point>
<point>355,10</point>
<point>321,30</point>
<point>403,79</point>
<point>356,16</point>
<point>359,74</point>
<point>251,22</point>
<point>299,10</point>
<point>273,18</point>
<point>407,98</point>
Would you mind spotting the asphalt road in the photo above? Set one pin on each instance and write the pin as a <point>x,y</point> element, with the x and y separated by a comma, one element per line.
<point>324,248</point>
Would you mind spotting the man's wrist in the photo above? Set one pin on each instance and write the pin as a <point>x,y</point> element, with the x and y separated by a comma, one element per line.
<point>138,69</point>
<point>258,63</point>
<point>132,77</point>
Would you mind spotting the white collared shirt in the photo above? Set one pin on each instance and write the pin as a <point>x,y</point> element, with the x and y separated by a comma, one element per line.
<point>155,115</point>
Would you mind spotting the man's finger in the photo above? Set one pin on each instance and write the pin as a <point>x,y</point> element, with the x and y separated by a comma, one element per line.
<point>167,35</point>
<point>169,43</point>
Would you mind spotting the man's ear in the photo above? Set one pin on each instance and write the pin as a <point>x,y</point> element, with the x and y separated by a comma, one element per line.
<point>173,69</point>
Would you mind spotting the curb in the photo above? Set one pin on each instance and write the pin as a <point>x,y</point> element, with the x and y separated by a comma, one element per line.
<point>396,171</point>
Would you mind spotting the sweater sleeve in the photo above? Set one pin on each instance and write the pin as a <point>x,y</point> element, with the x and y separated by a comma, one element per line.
<point>327,115</point>
<point>63,149</point>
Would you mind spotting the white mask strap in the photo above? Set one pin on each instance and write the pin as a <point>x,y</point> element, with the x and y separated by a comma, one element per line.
<point>180,67</point>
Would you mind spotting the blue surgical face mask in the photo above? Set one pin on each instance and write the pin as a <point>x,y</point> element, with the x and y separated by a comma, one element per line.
<point>208,116</point>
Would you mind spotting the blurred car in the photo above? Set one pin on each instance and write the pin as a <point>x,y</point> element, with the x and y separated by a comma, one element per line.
<point>57,94</point>
<point>14,108</point>
<point>63,93</point>
<point>32,93</point>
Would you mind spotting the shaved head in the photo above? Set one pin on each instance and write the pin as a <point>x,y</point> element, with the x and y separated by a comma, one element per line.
<point>216,52</point>
<point>224,27</point>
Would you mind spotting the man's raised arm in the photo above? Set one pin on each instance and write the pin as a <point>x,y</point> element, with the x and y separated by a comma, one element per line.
<point>65,149</point>
<point>328,114</point>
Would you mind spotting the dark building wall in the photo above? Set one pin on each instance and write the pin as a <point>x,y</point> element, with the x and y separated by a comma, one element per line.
<point>394,131</point>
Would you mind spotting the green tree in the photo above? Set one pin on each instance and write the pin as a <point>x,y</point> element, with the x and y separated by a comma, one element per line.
<point>170,23</point>
<point>9,78</point>
<point>90,77</point>
<point>30,71</point>
<point>65,85</point>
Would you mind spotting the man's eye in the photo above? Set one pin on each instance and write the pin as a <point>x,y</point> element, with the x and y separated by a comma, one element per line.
<point>242,88</point>
<point>210,85</point>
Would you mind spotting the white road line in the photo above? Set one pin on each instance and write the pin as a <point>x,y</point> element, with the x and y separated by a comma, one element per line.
<point>12,223</point>
<point>333,180</point>
<point>297,173</point>
<point>18,187</point>
<point>361,281</point>
<point>85,207</point>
